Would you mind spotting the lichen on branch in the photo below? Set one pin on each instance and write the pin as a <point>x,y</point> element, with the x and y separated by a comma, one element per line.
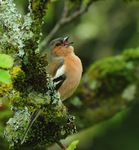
<point>32,87</point>
<point>14,28</point>
<point>53,124</point>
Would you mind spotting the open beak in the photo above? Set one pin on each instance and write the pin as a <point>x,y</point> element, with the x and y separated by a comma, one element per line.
<point>66,42</point>
<point>66,39</point>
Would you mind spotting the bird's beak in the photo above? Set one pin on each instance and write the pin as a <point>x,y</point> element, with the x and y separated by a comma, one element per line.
<point>66,39</point>
<point>66,42</point>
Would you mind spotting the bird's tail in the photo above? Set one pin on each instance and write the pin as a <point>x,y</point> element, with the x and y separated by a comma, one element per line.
<point>34,116</point>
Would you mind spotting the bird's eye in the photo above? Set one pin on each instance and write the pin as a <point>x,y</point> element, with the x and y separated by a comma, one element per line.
<point>57,44</point>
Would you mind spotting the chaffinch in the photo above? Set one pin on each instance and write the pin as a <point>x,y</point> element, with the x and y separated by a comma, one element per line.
<point>65,67</point>
<point>66,71</point>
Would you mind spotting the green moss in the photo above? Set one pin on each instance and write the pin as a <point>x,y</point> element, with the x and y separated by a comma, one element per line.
<point>39,8</point>
<point>43,132</point>
<point>132,53</point>
<point>5,88</point>
<point>104,76</point>
<point>53,115</point>
<point>16,72</point>
<point>33,89</point>
<point>108,65</point>
<point>36,75</point>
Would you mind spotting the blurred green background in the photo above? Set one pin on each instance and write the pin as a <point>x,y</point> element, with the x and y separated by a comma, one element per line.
<point>106,29</point>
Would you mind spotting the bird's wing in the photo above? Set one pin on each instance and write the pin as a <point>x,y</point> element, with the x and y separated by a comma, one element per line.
<point>59,80</point>
<point>57,70</point>
<point>54,65</point>
<point>33,117</point>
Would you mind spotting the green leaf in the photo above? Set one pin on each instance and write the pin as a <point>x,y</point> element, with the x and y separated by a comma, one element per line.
<point>6,61</point>
<point>5,76</point>
<point>73,145</point>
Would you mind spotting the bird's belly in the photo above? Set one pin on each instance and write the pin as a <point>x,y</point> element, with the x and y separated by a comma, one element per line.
<point>69,89</point>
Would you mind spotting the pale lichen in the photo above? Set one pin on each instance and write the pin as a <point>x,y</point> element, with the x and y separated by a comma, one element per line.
<point>16,29</point>
<point>33,88</point>
<point>16,126</point>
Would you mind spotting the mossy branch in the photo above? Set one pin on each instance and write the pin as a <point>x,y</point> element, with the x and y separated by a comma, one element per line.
<point>32,87</point>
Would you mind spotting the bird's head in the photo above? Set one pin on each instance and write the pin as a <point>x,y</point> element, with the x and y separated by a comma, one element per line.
<point>61,47</point>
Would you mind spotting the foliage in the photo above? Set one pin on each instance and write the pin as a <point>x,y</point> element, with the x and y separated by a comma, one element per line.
<point>6,62</point>
<point>73,145</point>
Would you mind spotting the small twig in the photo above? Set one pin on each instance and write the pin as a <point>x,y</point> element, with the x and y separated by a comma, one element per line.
<point>64,19</point>
<point>78,12</point>
<point>1,106</point>
<point>61,145</point>
<point>56,27</point>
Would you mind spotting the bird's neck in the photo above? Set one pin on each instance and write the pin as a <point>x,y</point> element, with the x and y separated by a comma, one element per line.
<point>64,55</point>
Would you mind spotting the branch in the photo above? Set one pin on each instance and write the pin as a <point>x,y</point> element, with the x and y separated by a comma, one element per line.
<point>32,88</point>
<point>65,18</point>
<point>78,13</point>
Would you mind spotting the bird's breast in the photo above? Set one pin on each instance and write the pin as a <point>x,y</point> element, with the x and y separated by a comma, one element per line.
<point>73,68</point>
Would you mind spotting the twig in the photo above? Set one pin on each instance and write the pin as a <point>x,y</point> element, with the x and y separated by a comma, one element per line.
<point>61,145</point>
<point>64,19</point>
<point>56,27</point>
<point>78,12</point>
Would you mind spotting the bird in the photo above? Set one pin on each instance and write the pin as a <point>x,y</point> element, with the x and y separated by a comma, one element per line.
<point>65,69</point>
